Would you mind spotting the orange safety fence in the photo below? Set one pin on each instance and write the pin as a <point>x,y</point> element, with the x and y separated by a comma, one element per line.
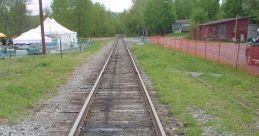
<point>226,53</point>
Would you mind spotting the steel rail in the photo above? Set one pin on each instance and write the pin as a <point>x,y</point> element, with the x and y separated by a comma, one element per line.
<point>156,121</point>
<point>75,131</point>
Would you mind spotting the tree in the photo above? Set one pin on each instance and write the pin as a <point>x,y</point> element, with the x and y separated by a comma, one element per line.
<point>199,15</point>
<point>203,11</point>
<point>13,16</point>
<point>210,7</point>
<point>183,8</point>
<point>84,17</point>
<point>133,19</point>
<point>251,8</point>
<point>159,15</point>
<point>233,8</point>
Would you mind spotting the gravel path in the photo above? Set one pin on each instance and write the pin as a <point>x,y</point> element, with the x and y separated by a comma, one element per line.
<point>49,112</point>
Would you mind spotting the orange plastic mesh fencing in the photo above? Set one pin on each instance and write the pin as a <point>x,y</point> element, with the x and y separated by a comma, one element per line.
<point>225,53</point>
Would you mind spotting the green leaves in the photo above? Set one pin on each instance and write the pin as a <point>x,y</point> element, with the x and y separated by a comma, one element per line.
<point>233,8</point>
<point>13,17</point>
<point>159,15</point>
<point>84,17</point>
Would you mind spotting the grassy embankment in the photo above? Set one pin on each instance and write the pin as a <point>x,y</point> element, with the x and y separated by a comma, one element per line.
<point>29,79</point>
<point>228,91</point>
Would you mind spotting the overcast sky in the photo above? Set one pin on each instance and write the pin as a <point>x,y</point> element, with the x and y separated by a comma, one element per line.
<point>113,5</point>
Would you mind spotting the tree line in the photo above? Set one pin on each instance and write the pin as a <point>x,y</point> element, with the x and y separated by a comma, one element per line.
<point>145,16</point>
<point>157,16</point>
<point>83,16</point>
<point>13,17</point>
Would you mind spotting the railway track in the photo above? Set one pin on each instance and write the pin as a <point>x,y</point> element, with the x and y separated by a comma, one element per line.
<point>118,103</point>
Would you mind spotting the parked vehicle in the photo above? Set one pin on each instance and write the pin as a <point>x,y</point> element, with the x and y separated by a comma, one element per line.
<point>252,51</point>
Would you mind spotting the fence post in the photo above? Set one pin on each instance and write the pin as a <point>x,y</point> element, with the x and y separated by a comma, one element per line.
<point>176,46</point>
<point>164,42</point>
<point>187,46</point>
<point>195,46</point>
<point>175,42</point>
<point>60,46</point>
<point>205,49</point>
<point>219,51</point>
<point>181,44</point>
<point>80,45</point>
<point>172,43</point>
<point>238,49</point>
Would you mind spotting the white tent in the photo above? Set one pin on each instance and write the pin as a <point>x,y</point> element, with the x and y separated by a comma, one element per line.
<point>31,36</point>
<point>55,30</point>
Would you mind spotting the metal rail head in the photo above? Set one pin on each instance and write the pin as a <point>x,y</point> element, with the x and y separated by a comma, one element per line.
<point>75,131</point>
<point>156,121</point>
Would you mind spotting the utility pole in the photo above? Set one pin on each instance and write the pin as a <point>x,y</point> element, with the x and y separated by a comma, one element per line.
<point>42,29</point>
<point>142,20</point>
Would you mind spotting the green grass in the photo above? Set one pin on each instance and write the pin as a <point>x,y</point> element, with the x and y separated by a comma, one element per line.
<point>176,88</point>
<point>183,34</point>
<point>29,79</point>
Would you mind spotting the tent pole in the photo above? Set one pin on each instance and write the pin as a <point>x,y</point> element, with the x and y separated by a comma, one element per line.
<point>42,29</point>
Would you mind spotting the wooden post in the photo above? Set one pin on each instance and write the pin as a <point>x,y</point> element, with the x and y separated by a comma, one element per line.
<point>195,42</point>
<point>181,44</point>
<point>238,49</point>
<point>175,42</point>
<point>187,47</point>
<point>219,51</point>
<point>42,29</point>
<point>205,49</point>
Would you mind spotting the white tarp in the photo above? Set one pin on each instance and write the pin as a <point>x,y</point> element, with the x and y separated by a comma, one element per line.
<point>29,37</point>
<point>55,30</point>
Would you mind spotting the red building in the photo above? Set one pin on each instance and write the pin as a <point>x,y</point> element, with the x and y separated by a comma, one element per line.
<point>224,29</point>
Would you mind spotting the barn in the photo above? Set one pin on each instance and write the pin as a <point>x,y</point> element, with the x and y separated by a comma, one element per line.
<point>224,29</point>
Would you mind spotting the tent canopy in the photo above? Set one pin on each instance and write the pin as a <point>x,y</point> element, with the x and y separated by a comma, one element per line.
<point>52,30</point>
<point>55,30</point>
<point>51,27</point>
<point>30,36</point>
<point>2,35</point>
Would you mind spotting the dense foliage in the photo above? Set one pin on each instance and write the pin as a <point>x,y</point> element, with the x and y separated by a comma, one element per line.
<point>248,8</point>
<point>145,16</point>
<point>83,16</point>
<point>160,14</point>
<point>13,18</point>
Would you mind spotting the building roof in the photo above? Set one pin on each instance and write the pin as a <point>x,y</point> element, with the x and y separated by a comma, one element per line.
<point>182,21</point>
<point>222,21</point>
